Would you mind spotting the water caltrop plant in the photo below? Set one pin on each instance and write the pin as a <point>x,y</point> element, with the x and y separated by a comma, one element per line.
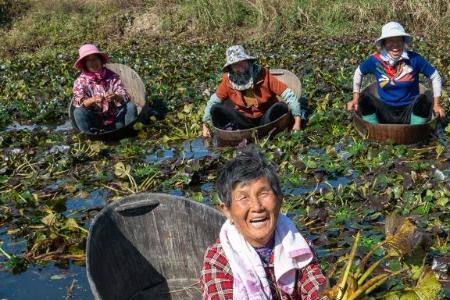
<point>402,241</point>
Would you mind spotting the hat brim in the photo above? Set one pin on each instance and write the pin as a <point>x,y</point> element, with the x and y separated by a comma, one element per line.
<point>79,63</point>
<point>227,65</point>
<point>408,38</point>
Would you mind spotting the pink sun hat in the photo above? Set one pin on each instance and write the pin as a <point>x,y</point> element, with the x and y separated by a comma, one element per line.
<point>85,51</point>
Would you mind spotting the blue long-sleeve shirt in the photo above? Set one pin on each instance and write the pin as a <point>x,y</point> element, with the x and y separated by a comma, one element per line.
<point>398,84</point>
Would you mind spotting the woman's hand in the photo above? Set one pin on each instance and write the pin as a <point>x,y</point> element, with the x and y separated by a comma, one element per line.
<point>353,105</point>
<point>113,97</point>
<point>91,101</point>
<point>297,124</point>
<point>205,131</point>
<point>438,110</point>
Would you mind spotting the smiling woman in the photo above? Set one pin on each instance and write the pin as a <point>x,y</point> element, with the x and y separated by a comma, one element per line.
<point>396,70</point>
<point>260,254</point>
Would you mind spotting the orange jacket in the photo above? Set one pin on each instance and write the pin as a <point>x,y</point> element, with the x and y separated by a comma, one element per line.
<point>266,88</point>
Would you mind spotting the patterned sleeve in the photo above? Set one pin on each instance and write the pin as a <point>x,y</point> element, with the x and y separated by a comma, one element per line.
<point>311,282</point>
<point>216,280</point>
<point>118,89</point>
<point>79,94</point>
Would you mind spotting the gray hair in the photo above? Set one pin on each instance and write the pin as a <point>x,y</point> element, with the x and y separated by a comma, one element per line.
<point>246,166</point>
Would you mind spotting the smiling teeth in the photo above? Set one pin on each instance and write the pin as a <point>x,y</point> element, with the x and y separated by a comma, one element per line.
<point>258,220</point>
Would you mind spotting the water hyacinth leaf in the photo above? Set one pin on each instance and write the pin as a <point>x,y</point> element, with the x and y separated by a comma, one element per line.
<point>427,287</point>
<point>443,202</point>
<point>138,126</point>
<point>439,150</point>
<point>49,219</point>
<point>401,235</point>
<point>447,129</point>
<point>188,108</point>
<point>197,197</point>
<point>392,296</point>
<point>58,277</point>
<point>71,224</point>
<point>121,171</point>
<point>180,116</point>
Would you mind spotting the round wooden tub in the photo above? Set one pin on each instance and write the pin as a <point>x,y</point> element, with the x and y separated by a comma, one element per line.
<point>394,133</point>
<point>234,137</point>
<point>136,89</point>
<point>150,246</point>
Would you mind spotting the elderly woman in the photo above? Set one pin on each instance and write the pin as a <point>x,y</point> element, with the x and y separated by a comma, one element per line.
<point>253,92</point>
<point>259,254</point>
<point>396,70</point>
<point>100,100</point>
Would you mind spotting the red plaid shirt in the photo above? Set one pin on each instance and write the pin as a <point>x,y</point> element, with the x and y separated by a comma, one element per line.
<point>216,281</point>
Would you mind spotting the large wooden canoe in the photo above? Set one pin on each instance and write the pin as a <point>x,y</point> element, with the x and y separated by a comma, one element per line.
<point>150,246</point>
<point>234,137</point>
<point>136,89</point>
<point>394,133</point>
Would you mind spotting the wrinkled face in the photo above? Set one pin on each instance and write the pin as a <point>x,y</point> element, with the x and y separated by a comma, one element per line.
<point>93,63</point>
<point>240,67</point>
<point>254,211</point>
<point>394,46</point>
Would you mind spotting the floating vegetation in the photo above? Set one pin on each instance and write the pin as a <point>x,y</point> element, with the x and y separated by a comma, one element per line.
<point>338,187</point>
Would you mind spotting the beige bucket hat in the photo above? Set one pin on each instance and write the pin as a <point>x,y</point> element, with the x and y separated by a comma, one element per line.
<point>236,54</point>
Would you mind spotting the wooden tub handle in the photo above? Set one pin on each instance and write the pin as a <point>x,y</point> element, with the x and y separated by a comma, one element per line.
<point>276,72</point>
<point>134,206</point>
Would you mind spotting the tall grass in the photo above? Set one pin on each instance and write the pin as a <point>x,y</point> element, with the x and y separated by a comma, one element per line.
<point>328,17</point>
<point>61,23</point>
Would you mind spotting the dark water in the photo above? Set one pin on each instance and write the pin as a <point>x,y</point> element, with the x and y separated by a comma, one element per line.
<point>48,281</point>
<point>41,282</point>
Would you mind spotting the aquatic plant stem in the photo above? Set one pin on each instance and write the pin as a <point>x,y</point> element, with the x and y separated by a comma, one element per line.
<point>372,284</point>
<point>372,268</point>
<point>5,253</point>
<point>134,185</point>
<point>366,258</point>
<point>343,282</point>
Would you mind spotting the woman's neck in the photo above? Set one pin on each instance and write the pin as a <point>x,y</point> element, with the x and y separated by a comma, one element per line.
<point>269,244</point>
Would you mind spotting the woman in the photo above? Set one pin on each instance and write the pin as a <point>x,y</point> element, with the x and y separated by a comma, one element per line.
<point>259,253</point>
<point>396,70</point>
<point>100,100</point>
<point>253,92</point>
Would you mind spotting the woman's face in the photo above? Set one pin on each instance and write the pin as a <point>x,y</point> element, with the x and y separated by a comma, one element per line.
<point>394,46</point>
<point>240,67</point>
<point>93,63</point>
<point>254,211</point>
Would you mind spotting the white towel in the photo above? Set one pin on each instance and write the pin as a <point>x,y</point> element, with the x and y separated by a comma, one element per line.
<point>291,253</point>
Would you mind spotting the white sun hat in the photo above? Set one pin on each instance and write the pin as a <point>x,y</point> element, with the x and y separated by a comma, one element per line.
<point>393,29</point>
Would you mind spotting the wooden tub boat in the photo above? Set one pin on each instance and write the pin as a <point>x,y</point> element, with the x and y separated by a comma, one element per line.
<point>136,89</point>
<point>234,137</point>
<point>394,133</point>
<point>150,246</point>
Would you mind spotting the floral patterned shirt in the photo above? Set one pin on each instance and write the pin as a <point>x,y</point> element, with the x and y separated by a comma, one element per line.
<point>90,84</point>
